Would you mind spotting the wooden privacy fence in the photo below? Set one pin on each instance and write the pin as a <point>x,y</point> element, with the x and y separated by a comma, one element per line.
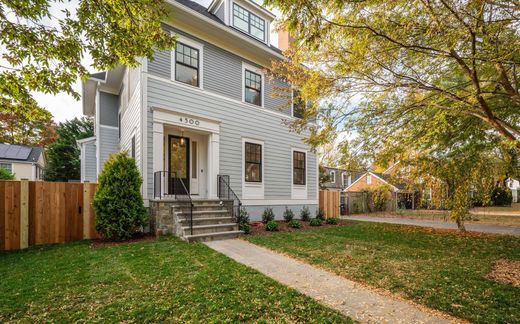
<point>39,212</point>
<point>330,202</point>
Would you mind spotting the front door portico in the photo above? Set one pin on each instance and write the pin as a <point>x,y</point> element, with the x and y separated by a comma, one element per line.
<point>186,147</point>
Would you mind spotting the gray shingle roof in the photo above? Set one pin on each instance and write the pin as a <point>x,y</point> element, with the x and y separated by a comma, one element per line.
<point>204,11</point>
<point>13,152</point>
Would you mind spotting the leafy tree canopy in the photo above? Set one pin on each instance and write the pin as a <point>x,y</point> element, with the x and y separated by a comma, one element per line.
<point>25,123</point>
<point>424,75</point>
<point>63,156</point>
<point>431,82</point>
<point>42,46</point>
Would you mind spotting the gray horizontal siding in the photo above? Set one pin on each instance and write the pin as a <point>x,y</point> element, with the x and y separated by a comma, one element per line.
<point>222,74</point>
<point>89,162</point>
<point>311,180</point>
<point>161,64</point>
<point>108,109</point>
<point>255,212</point>
<point>238,121</point>
<point>108,141</point>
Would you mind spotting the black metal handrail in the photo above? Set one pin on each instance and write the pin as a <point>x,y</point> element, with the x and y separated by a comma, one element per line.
<point>167,184</point>
<point>224,191</point>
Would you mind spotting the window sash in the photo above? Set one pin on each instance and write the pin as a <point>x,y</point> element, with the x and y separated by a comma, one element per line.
<point>189,58</point>
<point>298,105</point>
<point>252,84</point>
<point>299,173</point>
<point>7,166</point>
<point>255,24</point>
<point>253,160</point>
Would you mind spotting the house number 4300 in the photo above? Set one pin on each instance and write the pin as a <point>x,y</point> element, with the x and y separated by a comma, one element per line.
<point>190,121</point>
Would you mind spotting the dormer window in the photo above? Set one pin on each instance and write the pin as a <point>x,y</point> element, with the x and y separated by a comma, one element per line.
<point>248,22</point>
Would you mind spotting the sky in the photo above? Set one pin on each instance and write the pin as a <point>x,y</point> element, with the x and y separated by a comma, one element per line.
<point>63,106</point>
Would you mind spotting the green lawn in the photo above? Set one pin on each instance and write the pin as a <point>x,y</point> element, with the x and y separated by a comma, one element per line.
<point>438,269</point>
<point>165,280</point>
<point>486,216</point>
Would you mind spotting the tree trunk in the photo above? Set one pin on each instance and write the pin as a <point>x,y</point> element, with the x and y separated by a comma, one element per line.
<point>460,224</point>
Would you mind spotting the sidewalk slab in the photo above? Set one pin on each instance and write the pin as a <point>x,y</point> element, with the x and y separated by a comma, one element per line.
<point>346,296</point>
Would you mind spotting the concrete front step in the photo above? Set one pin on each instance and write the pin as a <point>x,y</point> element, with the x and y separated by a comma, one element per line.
<point>205,220</point>
<point>201,207</point>
<point>209,228</point>
<point>212,236</point>
<point>202,213</point>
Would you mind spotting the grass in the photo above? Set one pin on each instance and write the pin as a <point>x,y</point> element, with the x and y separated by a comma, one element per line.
<point>485,216</point>
<point>442,270</point>
<point>153,281</point>
<point>514,208</point>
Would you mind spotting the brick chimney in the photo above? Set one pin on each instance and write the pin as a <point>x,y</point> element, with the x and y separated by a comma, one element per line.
<point>285,39</point>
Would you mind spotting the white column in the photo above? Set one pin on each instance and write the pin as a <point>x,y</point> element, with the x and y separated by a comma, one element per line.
<point>158,149</point>
<point>213,164</point>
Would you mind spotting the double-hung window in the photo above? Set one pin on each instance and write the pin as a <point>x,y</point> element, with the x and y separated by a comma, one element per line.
<point>253,88</point>
<point>248,22</point>
<point>7,166</point>
<point>299,168</point>
<point>253,162</point>
<point>298,105</point>
<point>187,64</point>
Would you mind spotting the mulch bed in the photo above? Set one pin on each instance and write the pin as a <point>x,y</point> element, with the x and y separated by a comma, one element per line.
<point>258,228</point>
<point>100,243</point>
<point>506,271</point>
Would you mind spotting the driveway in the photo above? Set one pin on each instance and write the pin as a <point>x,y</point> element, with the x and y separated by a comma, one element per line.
<point>483,228</point>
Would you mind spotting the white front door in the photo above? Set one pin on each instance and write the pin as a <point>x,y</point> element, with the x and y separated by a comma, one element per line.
<point>195,167</point>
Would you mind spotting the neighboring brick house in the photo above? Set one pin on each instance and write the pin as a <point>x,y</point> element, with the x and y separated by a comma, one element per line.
<point>339,179</point>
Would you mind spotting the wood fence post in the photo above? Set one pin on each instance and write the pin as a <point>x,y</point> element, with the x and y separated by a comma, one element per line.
<point>86,210</point>
<point>24,214</point>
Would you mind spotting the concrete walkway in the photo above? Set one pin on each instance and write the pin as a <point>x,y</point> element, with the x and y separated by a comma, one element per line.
<point>483,228</point>
<point>346,296</point>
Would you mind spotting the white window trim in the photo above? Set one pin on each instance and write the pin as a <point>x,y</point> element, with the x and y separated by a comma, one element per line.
<point>349,181</point>
<point>252,190</point>
<point>299,191</point>
<point>252,68</point>
<point>332,176</point>
<point>369,179</point>
<point>343,179</point>
<point>247,6</point>
<point>200,48</point>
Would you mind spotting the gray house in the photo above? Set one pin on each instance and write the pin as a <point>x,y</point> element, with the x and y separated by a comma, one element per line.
<point>201,120</point>
<point>340,179</point>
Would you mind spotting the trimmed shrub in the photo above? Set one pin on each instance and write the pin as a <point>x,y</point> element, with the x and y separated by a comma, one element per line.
<point>267,215</point>
<point>315,222</point>
<point>6,175</point>
<point>271,226</point>
<point>288,214</point>
<point>332,221</point>
<point>245,227</point>
<point>243,221</point>
<point>120,212</point>
<point>294,224</point>
<point>243,217</point>
<point>305,214</point>
<point>501,196</point>
<point>320,214</point>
